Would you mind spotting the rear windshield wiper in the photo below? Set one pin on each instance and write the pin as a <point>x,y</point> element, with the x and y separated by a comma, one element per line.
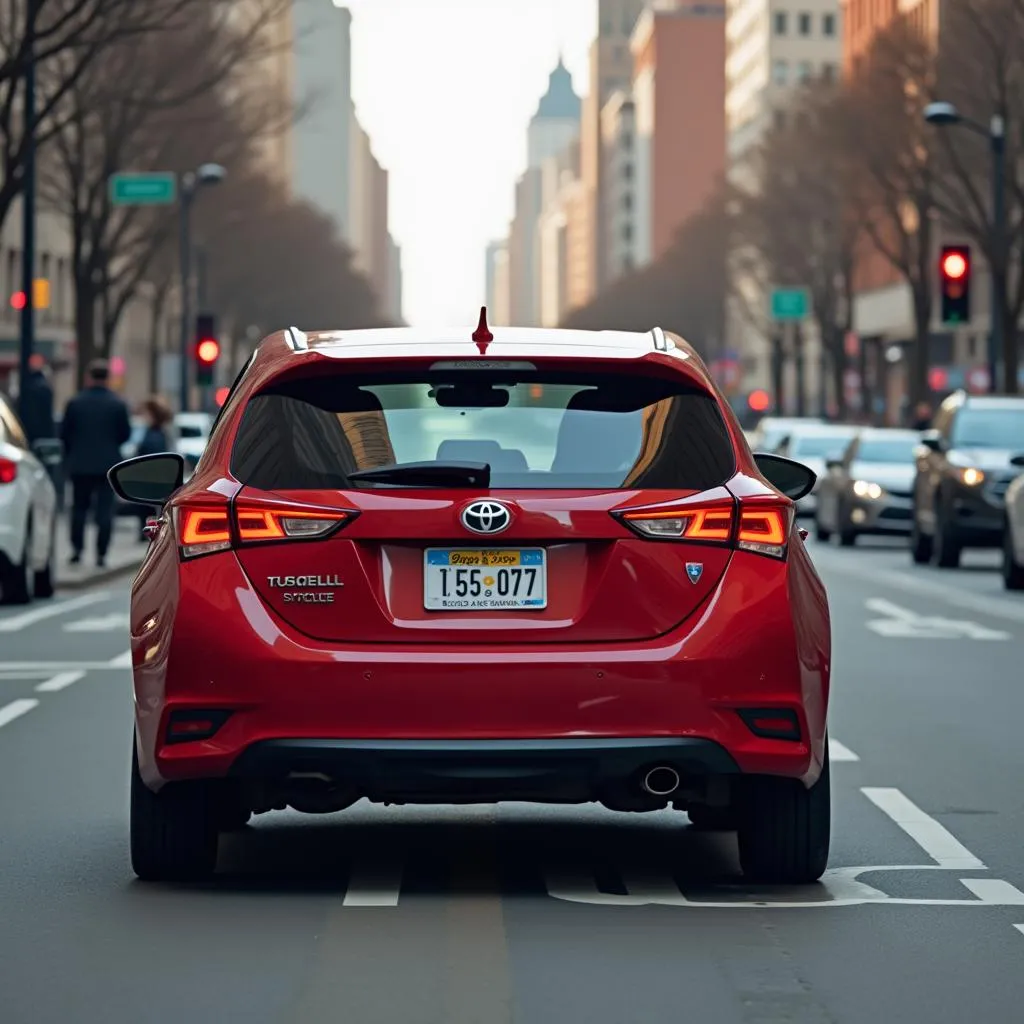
<point>428,474</point>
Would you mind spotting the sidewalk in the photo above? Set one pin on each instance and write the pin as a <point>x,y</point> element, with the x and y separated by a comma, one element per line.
<point>123,558</point>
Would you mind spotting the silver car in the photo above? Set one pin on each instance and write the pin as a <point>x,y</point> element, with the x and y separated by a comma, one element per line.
<point>869,488</point>
<point>1013,536</point>
<point>813,444</point>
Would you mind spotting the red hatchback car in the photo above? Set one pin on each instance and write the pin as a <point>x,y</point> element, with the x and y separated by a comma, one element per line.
<point>470,567</point>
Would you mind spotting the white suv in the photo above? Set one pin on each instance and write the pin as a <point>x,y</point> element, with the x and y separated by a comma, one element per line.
<point>28,516</point>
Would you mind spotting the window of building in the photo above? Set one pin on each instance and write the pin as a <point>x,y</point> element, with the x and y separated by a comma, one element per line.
<point>780,72</point>
<point>781,23</point>
<point>805,24</point>
<point>627,202</point>
<point>828,25</point>
<point>804,71</point>
<point>627,172</point>
<point>627,232</point>
<point>626,140</point>
<point>828,72</point>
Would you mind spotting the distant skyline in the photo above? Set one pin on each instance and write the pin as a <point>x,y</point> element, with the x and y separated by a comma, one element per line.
<point>446,90</point>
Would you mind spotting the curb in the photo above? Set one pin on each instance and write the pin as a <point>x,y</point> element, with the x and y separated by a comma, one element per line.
<point>100,576</point>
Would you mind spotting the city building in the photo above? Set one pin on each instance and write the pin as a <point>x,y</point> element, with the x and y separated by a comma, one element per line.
<point>499,308</point>
<point>611,70</point>
<point>772,47</point>
<point>619,213</point>
<point>558,174</point>
<point>322,149</point>
<point>495,251</point>
<point>679,111</point>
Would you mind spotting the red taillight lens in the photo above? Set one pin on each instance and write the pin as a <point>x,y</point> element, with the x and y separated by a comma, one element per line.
<point>702,523</point>
<point>204,530</point>
<point>761,529</point>
<point>8,471</point>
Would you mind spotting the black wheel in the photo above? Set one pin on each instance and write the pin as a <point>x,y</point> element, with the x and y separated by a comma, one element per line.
<point>15,583</point>
<point>1013,571</point>
<point>42,584</point>
<point>847,537</point>
<point>947,546</point>
<point>173,832</point>
<point>714,819</point>
<point>920,544</point>
<point>785,828</point>
<point>821,533</point>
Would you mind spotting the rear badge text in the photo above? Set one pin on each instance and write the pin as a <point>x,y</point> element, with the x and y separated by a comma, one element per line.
<point>306,589</point>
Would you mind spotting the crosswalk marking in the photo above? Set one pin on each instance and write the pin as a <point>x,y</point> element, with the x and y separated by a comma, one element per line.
<point>59,682</point>
<point>12,623</point>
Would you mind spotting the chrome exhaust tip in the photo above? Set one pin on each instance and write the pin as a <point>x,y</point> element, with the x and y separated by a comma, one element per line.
<point>661,781</point>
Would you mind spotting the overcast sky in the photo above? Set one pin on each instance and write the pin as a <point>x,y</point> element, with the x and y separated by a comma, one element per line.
<point>445,89</point>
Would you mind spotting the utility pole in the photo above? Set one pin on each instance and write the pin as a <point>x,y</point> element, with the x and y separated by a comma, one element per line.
<point>186,193</point>
<point>28,206</point>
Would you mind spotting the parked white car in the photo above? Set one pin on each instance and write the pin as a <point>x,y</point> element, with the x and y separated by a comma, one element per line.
<point>193,432</point>
<point>1013,537</point>
<point>28,515</point>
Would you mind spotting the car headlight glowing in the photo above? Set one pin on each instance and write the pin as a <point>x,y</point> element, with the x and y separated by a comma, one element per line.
<point>971,476</point>
<point>865,489</point>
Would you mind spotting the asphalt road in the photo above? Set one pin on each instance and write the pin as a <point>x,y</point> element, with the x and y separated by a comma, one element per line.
<point>526,915</point>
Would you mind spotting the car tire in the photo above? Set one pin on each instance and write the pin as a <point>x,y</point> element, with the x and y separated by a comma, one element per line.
<point>947,550</point>
<point>821,533</point>
<point>174,832</point>
<point>15,583</point>
<point>785,828</point>
<point>42,582</point>
<point>847,537</point>
<point>1013,571</point>
<point>920,544</point>
<point>712,819</point>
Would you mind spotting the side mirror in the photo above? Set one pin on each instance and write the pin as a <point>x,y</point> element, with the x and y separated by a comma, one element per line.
<point>932,440</point>
<point>148,479</point>
<point>792,478</point>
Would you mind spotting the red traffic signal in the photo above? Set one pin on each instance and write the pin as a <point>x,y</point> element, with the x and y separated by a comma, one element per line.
<point>955,284</point>
<point>208,350</point>
<point>18,300</point>
<point>954,265</point>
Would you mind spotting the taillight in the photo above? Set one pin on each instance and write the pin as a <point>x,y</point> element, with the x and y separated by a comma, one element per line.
<point>202,531</point>
<point>8,471</point>
<point>761,529</point>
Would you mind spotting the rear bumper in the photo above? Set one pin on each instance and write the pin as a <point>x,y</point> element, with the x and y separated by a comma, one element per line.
<point>290,699</point>
<point>566,770</point>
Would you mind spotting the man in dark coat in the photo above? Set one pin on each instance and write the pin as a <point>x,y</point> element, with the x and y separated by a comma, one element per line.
<point>95,426</point>
<point>36,403</point>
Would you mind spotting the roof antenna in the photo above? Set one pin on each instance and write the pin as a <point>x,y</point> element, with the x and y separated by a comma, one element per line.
<point>482,335</point>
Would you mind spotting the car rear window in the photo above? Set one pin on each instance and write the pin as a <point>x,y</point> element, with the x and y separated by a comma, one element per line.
<point>534,430</point>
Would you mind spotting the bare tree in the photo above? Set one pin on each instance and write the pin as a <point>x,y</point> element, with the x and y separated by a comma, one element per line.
<point>983,75</point>
<point>892,178</point>
<point>795,219</point>
<point>160,101</point>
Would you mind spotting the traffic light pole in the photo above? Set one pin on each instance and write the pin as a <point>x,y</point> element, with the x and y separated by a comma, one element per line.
<point>28,207</point>
<point>185,257</point>
<point>997,137</point>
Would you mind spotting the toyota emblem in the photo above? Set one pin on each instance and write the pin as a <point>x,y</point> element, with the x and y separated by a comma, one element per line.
<point>486,517</point>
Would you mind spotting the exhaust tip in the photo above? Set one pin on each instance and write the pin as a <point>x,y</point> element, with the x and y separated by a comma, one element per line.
<point>661,781</point>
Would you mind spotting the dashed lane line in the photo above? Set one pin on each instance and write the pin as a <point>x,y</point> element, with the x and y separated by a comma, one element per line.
<point>17,708</point>
<point>933,837</point>
<point>376,884</point>
<point>12,623</point>
<point>59,682</point>
<point>838,752</point>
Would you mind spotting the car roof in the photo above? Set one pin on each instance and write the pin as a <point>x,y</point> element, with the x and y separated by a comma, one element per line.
<point>994,402</point>
<point>895,433</point>
<point>826,430</point>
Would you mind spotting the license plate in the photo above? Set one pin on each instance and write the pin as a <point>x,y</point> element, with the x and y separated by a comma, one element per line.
<point>480,579</point>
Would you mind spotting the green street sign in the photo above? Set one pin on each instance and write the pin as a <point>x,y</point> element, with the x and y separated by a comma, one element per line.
<point>158,188</point>
<point>790,304</point>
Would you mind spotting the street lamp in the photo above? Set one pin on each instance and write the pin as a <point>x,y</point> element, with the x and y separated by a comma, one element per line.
<point>191,182</point>
<point>942,115</point>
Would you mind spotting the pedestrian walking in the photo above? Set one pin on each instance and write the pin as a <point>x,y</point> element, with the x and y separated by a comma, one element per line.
<point>36,405</point>
<point>158,415</point>
<point>922,418</point>
<point>95,426</point>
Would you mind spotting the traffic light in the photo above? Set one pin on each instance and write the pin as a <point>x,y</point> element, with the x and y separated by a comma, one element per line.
<point>955,283</point>
<point>207,350</point>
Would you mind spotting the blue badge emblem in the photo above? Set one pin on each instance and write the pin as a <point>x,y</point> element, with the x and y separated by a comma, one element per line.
<point>694,570</point>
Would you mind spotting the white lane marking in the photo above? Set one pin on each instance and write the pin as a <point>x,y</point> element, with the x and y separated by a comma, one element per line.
<point>995,891</point>
<point>48,611</point>
<point>374,885</point>
<point>17,708</point>
<point>984,604</point>
<point>905,624</point>
<point>98,624</point>
<point>47,668</point>
<point>838,752</point>
<point>121,661</point>
<point>934,838</point>
<point>1020,928</point>
<point>59,682</point>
